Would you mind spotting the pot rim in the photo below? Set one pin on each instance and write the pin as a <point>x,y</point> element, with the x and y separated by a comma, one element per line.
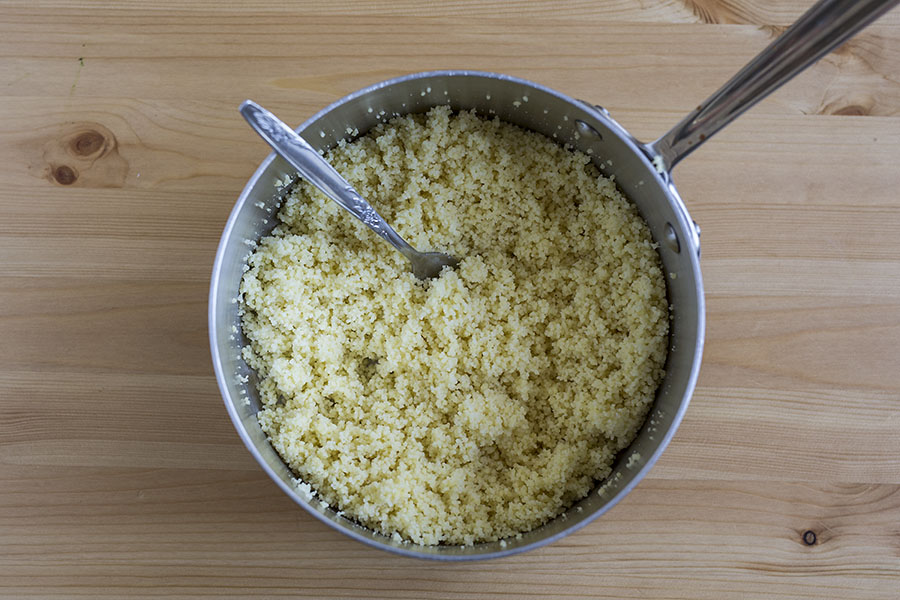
<point>411,550</point>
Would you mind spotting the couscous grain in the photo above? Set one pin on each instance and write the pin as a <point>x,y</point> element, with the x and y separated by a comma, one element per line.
<point>480,404</point>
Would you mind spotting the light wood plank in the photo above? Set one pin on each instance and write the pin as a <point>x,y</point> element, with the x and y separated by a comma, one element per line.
<point>756,12</point>
<point>112,532</point>
<point>283,58</point>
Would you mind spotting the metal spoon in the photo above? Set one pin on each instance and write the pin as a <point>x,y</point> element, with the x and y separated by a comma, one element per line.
<point>318,172</point>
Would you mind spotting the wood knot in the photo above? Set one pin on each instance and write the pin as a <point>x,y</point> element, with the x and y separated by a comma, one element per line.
<point>855,105</point>
<point>809,537</point>
<point>87,143</point>
<point>83,154</point>
<point>854,110</point>
<point>65,175</point>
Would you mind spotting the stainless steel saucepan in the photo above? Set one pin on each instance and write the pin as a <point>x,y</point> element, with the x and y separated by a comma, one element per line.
<point>643,171</point>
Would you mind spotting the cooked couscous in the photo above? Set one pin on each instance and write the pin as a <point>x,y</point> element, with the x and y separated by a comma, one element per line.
<point>482,403</point>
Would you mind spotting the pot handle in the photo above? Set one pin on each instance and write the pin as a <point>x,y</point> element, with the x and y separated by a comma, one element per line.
<point>823,27</point>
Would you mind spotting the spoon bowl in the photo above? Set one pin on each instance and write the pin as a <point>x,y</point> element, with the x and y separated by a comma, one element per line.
<point>428,265</point>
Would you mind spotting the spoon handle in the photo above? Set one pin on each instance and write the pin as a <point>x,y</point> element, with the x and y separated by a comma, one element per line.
<point>822,28</point>
<point>315,169</point>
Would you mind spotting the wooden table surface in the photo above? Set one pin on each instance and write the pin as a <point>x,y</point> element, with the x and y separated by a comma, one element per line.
<point>123,153</point>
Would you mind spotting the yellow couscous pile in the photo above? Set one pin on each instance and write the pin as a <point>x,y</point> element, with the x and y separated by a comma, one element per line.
<point>482,403</point>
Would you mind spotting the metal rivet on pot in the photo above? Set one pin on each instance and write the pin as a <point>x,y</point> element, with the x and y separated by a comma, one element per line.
<point>586,129</point>
<point>601,109</point>
<point>672,238</point>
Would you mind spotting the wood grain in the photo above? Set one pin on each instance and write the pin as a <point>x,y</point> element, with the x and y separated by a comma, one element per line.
<point>120,473</point>
<point>198,533</point>
<point>755,12</point>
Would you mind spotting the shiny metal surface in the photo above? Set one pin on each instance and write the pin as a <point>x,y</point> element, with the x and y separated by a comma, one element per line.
<point>315,169</point>
<point>533,107</point>
<point>825,26</point>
